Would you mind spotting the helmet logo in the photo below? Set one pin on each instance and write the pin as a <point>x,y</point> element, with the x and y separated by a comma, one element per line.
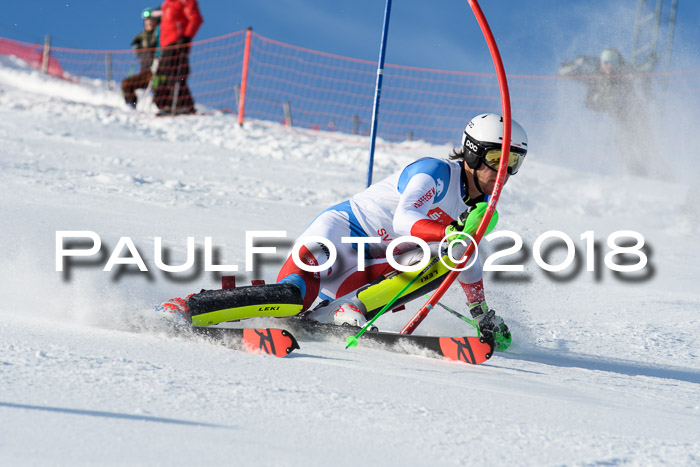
<point>471,145</point>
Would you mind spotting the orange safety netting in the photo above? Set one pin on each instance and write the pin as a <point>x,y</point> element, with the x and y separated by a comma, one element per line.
<point>312,89</point>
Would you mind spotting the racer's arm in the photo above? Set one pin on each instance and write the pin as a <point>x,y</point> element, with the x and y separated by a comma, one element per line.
<point>412,220</point>
<point>411,213</point>
<point>418,196</point>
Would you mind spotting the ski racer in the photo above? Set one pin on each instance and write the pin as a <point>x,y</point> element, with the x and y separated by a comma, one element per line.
<point>428,199</point>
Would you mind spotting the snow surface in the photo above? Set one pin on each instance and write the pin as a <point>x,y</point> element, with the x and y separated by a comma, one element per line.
<point>603,370</point>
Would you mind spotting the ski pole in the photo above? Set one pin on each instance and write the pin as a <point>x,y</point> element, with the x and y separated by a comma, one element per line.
<point>459,315</point>
<point>352,340</point>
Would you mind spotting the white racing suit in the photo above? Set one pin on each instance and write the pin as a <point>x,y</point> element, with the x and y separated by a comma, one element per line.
<point>420,201</point>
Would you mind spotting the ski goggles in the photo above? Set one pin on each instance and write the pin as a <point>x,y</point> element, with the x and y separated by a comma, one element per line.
<point>490,153</point>
<point>492,159</point>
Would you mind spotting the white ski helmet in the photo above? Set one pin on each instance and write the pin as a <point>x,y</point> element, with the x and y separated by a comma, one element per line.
<point>482,140</point>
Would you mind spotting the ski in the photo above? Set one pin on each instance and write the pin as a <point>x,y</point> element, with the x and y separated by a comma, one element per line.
<point>472,350</point>
<point>281,342</point>
<point>283,302</point>
<point>271,341</point>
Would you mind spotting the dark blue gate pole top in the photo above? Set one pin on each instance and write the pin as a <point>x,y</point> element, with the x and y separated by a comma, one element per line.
<point>378,91</point>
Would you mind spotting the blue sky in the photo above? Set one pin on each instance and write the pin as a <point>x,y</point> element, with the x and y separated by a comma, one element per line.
<point>534,36</point>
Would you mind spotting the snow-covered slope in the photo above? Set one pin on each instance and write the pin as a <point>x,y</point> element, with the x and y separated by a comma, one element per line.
<point>604,370</point>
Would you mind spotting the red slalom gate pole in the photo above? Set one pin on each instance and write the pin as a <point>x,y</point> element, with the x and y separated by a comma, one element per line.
<point>500,179</point>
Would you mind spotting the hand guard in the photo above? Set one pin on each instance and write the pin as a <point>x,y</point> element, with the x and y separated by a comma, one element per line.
<point>459,229</point>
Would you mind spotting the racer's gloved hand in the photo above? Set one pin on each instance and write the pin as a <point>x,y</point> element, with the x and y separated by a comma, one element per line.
<point>491,326</point>
<point>457,229</point>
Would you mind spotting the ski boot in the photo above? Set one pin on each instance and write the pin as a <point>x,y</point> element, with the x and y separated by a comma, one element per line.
<point>491,325</point>
<point>341,312</point>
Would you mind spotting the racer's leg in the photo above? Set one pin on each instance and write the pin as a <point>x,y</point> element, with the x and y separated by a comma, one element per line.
<point>331,225</point>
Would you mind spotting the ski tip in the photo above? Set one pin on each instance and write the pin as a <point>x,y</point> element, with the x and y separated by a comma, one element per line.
<point>276,342</point>
<point>351,342</point>
<point>472,350</point>
<point>294,345</point>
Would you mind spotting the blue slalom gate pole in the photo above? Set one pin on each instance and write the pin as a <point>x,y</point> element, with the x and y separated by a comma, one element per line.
<point>378,91</point>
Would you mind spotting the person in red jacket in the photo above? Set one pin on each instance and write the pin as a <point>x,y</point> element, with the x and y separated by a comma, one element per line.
<point>180,21</point>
